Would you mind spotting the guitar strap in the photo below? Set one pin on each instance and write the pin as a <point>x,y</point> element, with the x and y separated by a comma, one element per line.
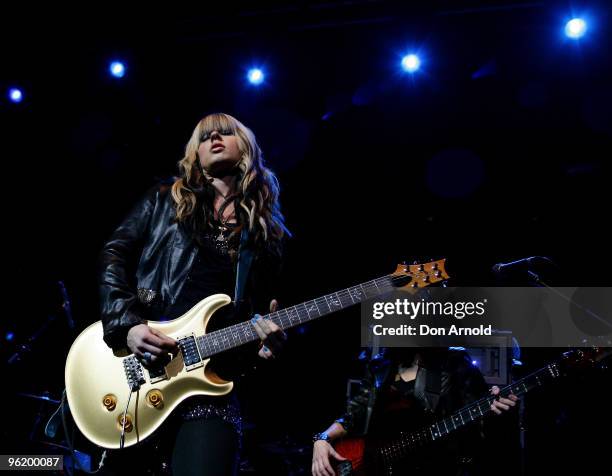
<point>245,259</point>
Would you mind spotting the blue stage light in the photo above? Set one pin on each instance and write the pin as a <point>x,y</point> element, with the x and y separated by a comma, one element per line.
<point>117,69</point>
<point>255,76</point>
<point>15,95</point>
<point>575,28</point>
<point>411,63</point>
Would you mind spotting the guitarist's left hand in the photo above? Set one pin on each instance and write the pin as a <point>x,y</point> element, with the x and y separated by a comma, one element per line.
<point>502,404</point>
<point>272,337</point>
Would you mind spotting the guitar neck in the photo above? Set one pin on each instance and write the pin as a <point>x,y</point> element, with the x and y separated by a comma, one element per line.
<point>472,412</point>
<point>244,332</point>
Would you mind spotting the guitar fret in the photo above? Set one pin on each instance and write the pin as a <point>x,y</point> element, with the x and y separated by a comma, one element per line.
<point>280,318</point>
<point>350,295</point>
<point>303,314</point>
<point>290,315</point>
<point>338,301</point>
<point>356,293</point>
<point>455,423</point>
<point>327,303</point>
<point>363,290</point>
<point>345,298</point>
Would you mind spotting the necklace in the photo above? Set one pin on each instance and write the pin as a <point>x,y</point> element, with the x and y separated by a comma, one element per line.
<point>221,240</point>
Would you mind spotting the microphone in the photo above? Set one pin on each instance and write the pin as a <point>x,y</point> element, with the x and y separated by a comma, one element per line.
<point>523,264</point>
<point>66,304</point>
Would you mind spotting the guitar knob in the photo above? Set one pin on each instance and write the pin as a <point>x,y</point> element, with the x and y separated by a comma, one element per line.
<point>128,422</point>
<point>155,399</point>
<point>109,401</point>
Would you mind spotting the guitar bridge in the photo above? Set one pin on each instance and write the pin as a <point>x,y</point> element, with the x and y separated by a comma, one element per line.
<point>133,372</point>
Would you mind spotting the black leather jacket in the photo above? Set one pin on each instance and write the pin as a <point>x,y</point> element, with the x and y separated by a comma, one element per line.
<point>146,261</point>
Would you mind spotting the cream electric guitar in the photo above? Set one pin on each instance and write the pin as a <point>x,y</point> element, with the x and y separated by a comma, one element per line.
<point>117,402</point>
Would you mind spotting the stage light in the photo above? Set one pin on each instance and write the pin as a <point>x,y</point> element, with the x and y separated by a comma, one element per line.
<point>9,336</point>
<point>15,95</point>
<point>575,28</point>
<point>411,63</point>
<point>475,363</point>
<point>117,69</point>
<point>255,76</point>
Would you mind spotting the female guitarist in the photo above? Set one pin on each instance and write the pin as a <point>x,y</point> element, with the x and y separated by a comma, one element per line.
<point>215,229</point>
<point>404,390</point>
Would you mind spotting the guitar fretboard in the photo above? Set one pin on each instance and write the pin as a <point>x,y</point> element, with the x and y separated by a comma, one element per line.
<point>402,446</point>
<point>234,336</point>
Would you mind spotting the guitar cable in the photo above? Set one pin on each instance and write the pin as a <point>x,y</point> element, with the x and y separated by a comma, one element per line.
<point>70,441</point>
<point>122,438</point>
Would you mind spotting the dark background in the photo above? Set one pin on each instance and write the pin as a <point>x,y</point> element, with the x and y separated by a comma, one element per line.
<point>497,149</point>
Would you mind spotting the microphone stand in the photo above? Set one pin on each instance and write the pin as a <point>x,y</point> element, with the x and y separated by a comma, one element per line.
<point>26,348</point>
<point>536,279</point>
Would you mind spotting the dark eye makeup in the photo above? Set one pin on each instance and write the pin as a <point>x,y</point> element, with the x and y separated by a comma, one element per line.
<point>224,132</point>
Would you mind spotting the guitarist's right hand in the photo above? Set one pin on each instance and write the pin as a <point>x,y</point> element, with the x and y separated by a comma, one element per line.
<point>322,454</point>
<point>142,338</point>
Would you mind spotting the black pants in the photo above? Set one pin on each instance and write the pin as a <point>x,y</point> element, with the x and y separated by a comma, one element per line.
<point>202,447</point>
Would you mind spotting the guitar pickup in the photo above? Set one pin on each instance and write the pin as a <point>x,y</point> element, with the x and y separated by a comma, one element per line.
<point>157,374</point>
<point>190,352</point>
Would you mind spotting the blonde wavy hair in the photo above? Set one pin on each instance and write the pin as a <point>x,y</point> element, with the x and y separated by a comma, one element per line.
<point>257,195</point>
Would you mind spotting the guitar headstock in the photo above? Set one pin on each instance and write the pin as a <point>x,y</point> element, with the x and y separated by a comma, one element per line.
<point>419,275</point>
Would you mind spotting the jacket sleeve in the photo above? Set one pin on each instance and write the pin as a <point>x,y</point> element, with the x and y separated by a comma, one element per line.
<point>120,306</point>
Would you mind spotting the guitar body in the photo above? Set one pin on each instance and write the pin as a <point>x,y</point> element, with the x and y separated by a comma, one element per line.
<point>354,450</point>
<point>97,387</point>
<point>363,460</point>
<point>101,383</point>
